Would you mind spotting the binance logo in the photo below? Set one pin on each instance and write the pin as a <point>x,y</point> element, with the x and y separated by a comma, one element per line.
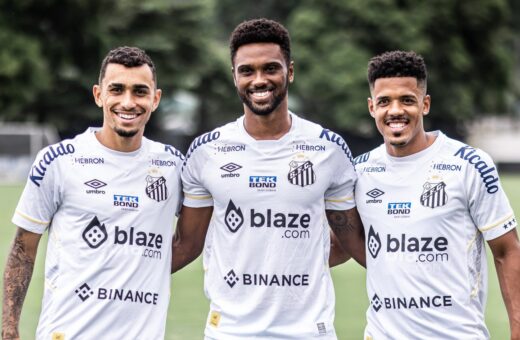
<point>376,303</point>
<point>231,278</point>
<point>214,319</point>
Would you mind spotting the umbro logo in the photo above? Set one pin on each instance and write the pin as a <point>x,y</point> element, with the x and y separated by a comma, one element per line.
<point>230,168</point>
<point>95,184</point>
<point>375,193</point>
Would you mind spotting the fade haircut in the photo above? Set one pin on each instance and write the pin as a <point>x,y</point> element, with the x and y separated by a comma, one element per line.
<point>397,64</point>
<point>128,57</point>
<point>260,31</point>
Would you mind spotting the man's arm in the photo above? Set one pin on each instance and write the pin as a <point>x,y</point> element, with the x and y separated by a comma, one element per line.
<point>506,253</point>
<point>347,226</point>
<point>338,255</point>
<point>17,275</point>
<point>190,234</point>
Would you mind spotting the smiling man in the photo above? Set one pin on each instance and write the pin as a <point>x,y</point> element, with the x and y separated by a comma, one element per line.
<point>268,181</point>
<point>107,199</point>
<point>428,203</point>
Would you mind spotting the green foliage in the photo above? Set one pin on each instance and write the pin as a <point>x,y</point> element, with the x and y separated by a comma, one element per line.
<point>51,52</point>
<point>465,45</point>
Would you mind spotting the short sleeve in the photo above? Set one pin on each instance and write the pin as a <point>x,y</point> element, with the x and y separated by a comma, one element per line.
<point>488,203</point>
<point>40,197</point>
<point>340,194</point>
<point>195,193</point>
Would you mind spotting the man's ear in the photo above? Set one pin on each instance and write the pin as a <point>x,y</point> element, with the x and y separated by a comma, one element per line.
<point>96,92</point>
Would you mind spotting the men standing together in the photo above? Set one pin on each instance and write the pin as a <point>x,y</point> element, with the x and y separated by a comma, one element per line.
<point>265,197</point>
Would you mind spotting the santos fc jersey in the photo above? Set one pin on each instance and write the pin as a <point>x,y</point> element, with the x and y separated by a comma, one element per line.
<point>267,246</point>
<point>426,217</point>
<point>109,217</point>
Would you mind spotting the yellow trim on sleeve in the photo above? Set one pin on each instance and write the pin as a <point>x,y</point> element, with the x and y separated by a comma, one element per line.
<point>339,200</point>
<point>491,226</point>
<point>197,197</point>
<point>32,219</point>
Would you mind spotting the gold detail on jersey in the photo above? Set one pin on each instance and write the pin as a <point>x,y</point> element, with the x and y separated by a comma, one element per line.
<point>58,336</point>
<point>494,225</point>
<point>31,219</point>
<point>368,337</point>
<point>214,319</point>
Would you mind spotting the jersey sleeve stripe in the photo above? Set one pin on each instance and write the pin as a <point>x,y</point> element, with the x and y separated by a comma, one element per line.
<point>341,199</point>
<point>496,224</point>
<point>197,197</point>
<point>32,219</point>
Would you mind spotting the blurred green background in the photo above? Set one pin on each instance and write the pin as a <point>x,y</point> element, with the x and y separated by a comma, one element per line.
<point>52,49</point>
<point>189,307</point>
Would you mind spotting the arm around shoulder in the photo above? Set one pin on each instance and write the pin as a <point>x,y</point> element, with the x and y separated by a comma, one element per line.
<point>506,253</point>
<point>188,240</point>
<point>17,276</point>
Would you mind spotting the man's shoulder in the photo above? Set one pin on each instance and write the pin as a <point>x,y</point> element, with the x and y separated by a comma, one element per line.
<point>162,149</point>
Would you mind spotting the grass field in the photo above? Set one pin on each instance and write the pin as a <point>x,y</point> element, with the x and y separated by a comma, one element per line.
<point>188,308</point>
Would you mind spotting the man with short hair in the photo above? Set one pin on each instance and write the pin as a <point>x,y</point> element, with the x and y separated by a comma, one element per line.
<point>107,198</point>
<point>428,202</point>
<point>268,181</point>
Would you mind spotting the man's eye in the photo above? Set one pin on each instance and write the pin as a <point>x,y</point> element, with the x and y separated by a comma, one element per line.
<point>116,90</point>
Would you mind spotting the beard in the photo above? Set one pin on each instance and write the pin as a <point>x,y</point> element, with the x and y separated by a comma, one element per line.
<point>125,133</point>
<point>265,109</point>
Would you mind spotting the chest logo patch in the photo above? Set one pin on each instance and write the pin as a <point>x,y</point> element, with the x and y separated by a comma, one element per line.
<point>156,188</point>
<point>434,195</point>
<point>301,173</point>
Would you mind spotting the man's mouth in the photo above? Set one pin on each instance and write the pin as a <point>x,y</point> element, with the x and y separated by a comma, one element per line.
<point>126,116</point>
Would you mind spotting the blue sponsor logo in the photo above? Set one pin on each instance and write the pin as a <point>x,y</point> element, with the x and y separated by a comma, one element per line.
<point>399,208</point>
<point>361,158</point>
<point>40,168</point>
<point>125,201</point>
<point>174,151</point>
<point>487,173</point>
<point>231,148</point>
<point>201,140</point>
<point>262,181</point>
<point>335,138</point>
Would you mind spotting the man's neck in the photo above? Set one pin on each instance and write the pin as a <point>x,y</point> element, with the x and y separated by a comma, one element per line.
<point>115,142</point>
<point>269,127</point>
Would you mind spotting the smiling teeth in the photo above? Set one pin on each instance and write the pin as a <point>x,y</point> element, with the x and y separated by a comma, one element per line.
<point>125,116</point>
<point>396,125</point>
<point>261,94</point>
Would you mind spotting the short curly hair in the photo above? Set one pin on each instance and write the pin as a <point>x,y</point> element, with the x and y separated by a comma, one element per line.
<point>129,57</point>
<point>397,64</point>
<point>260,31</point>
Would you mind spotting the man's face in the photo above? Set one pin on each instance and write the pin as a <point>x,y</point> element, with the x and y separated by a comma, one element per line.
<point>128,98</point>
<point>262,77</point>
<point>398,105</point>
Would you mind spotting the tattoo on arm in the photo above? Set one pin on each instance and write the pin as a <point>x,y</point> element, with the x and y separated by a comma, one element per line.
<point>339,221</point>
<point>17,275</point>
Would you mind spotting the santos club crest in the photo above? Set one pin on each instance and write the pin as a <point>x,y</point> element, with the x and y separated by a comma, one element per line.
<point>156,188</point>
<point>301,173</point>
<point>434,195</point>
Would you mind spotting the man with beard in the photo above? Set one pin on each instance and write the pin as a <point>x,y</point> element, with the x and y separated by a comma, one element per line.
<point>107,198</point>
<point>268,182</point>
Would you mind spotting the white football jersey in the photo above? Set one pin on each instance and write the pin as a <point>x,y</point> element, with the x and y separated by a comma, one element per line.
<point>267,248</point>
<point>426,217</point>
<point>110,220</point>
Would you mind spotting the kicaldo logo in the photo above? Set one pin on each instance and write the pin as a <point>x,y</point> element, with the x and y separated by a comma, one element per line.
<point>96,234</point>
